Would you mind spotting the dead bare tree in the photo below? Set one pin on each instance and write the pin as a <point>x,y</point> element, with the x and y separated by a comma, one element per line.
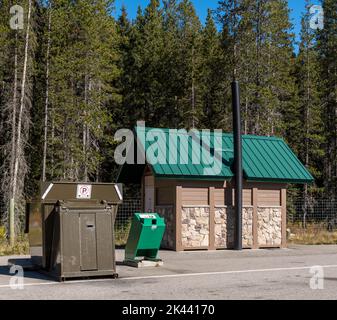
<point>46,105</point>
<point>9,116</point>
<point>20,165</point>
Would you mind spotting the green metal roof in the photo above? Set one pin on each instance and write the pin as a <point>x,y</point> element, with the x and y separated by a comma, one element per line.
<point>270,159</point>
<point>265,159</point>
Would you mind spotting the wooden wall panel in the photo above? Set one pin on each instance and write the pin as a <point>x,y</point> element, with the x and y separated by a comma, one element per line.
<point>219,196</point>
<point>247,197</point>
<point>195,196</point>
<point>269,197</point>
<point>161,182</point>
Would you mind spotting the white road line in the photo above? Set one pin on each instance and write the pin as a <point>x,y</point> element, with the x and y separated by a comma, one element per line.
<point>181,275</point>
<point>223,272</point>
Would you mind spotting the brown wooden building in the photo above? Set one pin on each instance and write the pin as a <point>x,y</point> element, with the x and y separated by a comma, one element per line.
<point>198,205</point>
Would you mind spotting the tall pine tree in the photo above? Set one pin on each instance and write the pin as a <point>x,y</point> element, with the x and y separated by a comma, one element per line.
<point>327,44</point>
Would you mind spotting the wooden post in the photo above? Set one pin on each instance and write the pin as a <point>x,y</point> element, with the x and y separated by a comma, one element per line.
<point>211,201</point>
<point>255,220</point>
<point>178,235</point>
<point>284,218</point>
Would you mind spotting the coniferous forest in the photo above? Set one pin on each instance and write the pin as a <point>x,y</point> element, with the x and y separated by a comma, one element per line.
<point>74,74</point>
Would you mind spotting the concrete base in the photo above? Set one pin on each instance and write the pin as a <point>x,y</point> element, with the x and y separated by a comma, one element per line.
<point>143,263</point>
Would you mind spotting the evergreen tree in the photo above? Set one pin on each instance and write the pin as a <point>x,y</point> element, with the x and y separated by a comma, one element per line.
<point>308,81</point>
<point>213,77</point>
<point>170,73</point>
<point>124,28</point>
<point>189,36</point>
<point>83,69</point>
<point>261,58</point>
<point>327,44</point>
<point>144,88</point>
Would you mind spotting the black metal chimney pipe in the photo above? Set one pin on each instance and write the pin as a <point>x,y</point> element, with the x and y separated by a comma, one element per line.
<point>237,164</point>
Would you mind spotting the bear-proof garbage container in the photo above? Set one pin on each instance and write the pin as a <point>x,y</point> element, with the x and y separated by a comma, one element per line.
<point>145,236</point>
<point>71,229</point>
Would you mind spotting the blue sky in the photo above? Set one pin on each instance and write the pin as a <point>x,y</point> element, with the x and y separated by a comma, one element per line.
<point>296,6</point>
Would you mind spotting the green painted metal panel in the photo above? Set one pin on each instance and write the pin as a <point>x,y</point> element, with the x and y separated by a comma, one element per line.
<point>145,236</point>
<point>270,159</point>
<point>182,169</point>
<point>266,159</point>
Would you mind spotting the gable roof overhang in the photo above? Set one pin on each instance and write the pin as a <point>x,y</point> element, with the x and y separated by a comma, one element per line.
<point>265,159</point>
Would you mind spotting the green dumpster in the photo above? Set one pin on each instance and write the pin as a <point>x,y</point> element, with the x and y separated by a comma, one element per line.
<point>146,233</point>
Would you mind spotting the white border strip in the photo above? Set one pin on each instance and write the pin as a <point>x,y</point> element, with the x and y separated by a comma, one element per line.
<point>118,192</point>
<point>47,191</point>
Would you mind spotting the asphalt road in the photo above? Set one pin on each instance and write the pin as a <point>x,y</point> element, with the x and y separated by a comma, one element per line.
<point>250,274</point>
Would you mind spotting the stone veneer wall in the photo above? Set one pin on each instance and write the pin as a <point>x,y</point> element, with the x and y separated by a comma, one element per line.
<point>224,227</point>
<point>269,224</point>
<point>167,213</point>
<point>195,227</point>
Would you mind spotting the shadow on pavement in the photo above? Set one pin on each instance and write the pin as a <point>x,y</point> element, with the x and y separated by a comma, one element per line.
<point>5,271</point>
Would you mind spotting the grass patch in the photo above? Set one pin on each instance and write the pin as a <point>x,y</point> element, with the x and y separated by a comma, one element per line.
<point>122,233</point>
<point>314,234</point>
<point>20,247</point>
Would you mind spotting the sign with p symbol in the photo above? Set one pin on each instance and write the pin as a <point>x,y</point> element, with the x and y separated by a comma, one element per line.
<point>83,191</point>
